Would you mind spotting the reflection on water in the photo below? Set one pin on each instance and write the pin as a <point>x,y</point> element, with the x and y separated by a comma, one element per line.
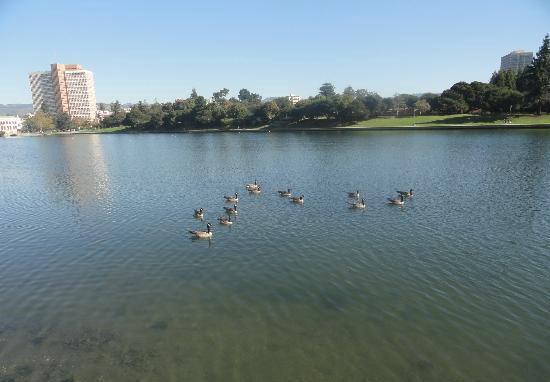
<point>80,170</point>
<point>100,281</point>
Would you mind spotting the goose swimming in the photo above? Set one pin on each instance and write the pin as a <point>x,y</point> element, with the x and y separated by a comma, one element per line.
<point>286,193</point>
<point>225,221</point>
<point>232,199</point>
<point>199,213</point>
<point>298,199</point>
<point>359,205</point>
<point>397,201</point>
<point>252,186</point>
<point>203,234</point>
<point>231,210</point>
<point>406,194</point>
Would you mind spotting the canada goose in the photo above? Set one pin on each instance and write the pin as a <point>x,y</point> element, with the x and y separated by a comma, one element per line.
<point>232,199</point>
<point>256,190</point>
<point>354,194</point>
<point>225,221</point>
<point>298,199</point>
<point>252,186</point>
<point>397,201</point>
<point>359,205</point>
<point>406,194</point>
<point>203,234</point>
<point>199,213</point>
<point>286,193</point>
<point>231,210</point>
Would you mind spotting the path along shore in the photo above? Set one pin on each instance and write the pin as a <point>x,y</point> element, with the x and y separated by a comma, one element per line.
<point>268,129</point>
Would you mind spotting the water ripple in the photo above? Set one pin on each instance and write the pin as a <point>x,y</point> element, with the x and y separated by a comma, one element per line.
<point>95,258</point>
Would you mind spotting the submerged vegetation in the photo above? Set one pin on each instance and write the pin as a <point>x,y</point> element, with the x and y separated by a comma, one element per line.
<point>55,351</point>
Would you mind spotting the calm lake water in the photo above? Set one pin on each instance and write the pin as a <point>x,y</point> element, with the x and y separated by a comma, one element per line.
<point>99,280</point>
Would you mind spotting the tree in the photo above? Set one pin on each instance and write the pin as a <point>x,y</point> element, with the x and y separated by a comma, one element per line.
<point>534,81</point>
<point>431,98</point>
<point>348,109</point>
<point>323,107</point>
<point>409,100</point>
<point>285,107</point>
<point>269,111</point>
<point>63,122</point>
<point>356,111</point>
<point>200,114</point>
<point>397,104</point>
<point>83,123</point>
<point>349,92</point>
<point>449,105</point>
<point>362,93</point>
<point>156,117</point>
<point>255,98</point>
<point>464,90</point>
<point>422,106</point>
<point>310,108</point>
<point>194,94</point>
<point>237,111</point>
<point>246,96</point>
<point>327,90</point>
<point>451,102</point>
<point>39,122</point>
<point>502,99</point>
<point>117,117</point>
<point>116,108</point>
<point>204,117</point>
<point>220,95</point>
<point>101,106</point>
<point>460,98</point>
<point>386,104</point>
<point>478,95</point>
<point>137,117</point>
<point>504,79</point>
<point>374,104</point>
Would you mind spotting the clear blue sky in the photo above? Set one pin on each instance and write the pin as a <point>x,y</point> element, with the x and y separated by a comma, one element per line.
<point>162,49</point>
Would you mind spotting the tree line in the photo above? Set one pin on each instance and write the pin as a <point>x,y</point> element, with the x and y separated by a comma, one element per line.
<point>506,92</point>
<point>44,120</point>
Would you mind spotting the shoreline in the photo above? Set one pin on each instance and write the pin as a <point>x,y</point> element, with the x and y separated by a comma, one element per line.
<point>543,126</point>
<point>422,128</point>
<point>336,128</point>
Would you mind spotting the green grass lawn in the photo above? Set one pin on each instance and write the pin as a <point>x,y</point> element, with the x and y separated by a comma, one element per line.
<point>455,119</point>
<point>419,121</point>
<point>532,119</point>
<point>115,129</point>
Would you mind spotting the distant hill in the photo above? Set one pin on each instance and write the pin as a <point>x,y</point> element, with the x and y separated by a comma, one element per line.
<point>21,109</point>
<point>15,109</point>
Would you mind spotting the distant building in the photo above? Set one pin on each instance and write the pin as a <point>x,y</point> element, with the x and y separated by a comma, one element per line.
<point>42,91</point>
<point>294,99</point>
<point>516,60</point>
<point>9,125</point>
<point>66,88</point>
<point>102,114</point>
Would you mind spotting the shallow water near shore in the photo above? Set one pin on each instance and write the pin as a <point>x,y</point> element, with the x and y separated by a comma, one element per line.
<point>100,281</point>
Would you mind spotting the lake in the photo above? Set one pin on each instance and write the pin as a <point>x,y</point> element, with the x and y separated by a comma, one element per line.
<point>100,280</point>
